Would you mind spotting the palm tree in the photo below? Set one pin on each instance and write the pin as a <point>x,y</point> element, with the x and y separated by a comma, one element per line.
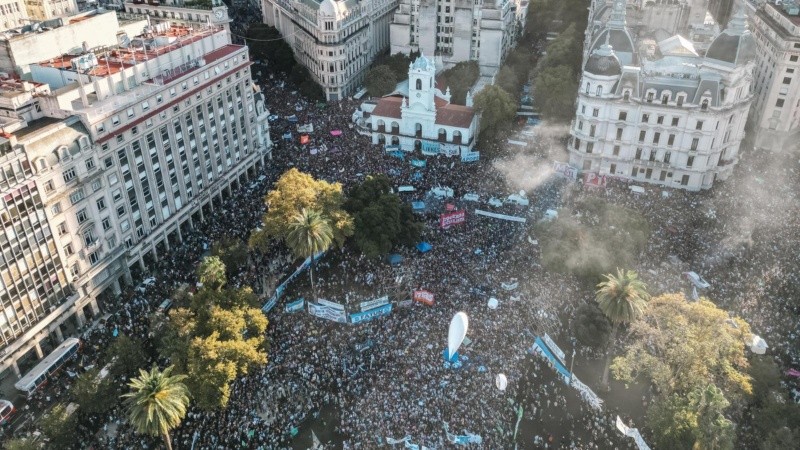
<point>622,298</point>
<point>157,402</point>
<point>309,233</point>
<point>211,272</point>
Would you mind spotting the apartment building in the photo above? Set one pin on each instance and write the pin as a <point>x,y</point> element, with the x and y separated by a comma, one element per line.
<point>455,30</point>
<point>129,147</point>
<point>336,40</point>
<point>775,115</point>
<point>179,11</point>
<point>658,112</point>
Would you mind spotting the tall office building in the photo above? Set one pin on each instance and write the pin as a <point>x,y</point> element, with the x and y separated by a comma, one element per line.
<point>776,110</point>
<point>336,40</point>
<point>454,31</point>
<point>116,153</point>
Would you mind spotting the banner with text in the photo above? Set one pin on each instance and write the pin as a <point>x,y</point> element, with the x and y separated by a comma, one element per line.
<point>470,156</point>
<point>593,179</point>
<point>374,303</point>
<point>281,287</point>
<point>449,150</point>
<point>633,433</point>
<point>423,296</point>
<point>430,148</point>
<point>558,352</point>
<point>295,306</point>
<point>481,212</point>
<point>565,170</point>
<point>371,314</point>
<point>454,218</point>
<point>327,312</point>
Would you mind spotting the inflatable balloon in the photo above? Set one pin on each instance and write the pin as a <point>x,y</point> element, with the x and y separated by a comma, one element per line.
<point>457,332</point>
<point>501,381</point>
<point>493,303</point>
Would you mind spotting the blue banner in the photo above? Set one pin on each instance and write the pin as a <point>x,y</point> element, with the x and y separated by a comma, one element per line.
<point>470,156</point>
<point>297,305</point>
<point>281,287</point>
<point>419,163</point>
<point>391,148</point>
<point>397,154</point>
<point>430,148</point>
<point>371,314</point>
<point>541,347</point>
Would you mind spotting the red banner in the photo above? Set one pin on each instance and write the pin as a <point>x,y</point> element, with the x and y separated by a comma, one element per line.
<point>305,139</point>
<point>423,296</point>
<point>594,179</point>
<point>453,218</point>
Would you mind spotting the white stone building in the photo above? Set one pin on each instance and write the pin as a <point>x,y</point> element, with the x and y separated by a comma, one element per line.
<point>12,14</point>
<point>418,115</point>
<point>659,113</point>
<point>336,40</point>
<point>48,9</point>
<point>775,116</point>
<point>458,30</point>
<point>176,11</point>
<point>118,154</point>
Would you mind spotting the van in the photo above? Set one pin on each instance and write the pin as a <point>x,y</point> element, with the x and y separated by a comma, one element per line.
<point>165,306</point>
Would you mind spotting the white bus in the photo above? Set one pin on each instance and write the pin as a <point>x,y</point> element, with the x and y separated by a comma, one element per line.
<point>48,366</point>
<point>6,411</point>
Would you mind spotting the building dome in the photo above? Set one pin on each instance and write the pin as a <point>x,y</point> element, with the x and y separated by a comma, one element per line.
<point>329,8</point>
<point>603,62</point>
<point>421,63</point>
<point>735,45</point>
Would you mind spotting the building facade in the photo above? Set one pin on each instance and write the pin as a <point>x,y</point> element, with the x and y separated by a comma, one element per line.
<point>133,145</point>
<point>419,117</point>
<point>659,113</point>
<point>48,9</point>
<point>176,11</point>
<point>457,31</point>
<point>775,115</point>
<point>12,14</point>
<point>335,40</point>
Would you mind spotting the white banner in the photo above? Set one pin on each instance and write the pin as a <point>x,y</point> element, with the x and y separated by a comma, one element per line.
<point>481,212</point>
<point>565,170</point>
<point>587,394</point>
<point>556,350</point>
<point>374,303</point>
<point>327,312</point>
<point>633,433</point>
<point>510,286</point>
<point>334,305</point>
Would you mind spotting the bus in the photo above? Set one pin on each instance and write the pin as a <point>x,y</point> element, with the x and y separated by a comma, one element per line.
<point>6,411</point>
<point>48,366</point>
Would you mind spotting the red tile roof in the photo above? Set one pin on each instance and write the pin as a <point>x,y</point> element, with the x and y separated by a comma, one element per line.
<point>388,107</point>
<point>455,116</point>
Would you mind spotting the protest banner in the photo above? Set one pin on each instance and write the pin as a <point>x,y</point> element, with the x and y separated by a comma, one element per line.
<point>593,179</point>
<point>558,352</point>
<point>481,212</point>
<point>470,157</point>
<point>374,303</point>
<point>295,306</point>
<point>565,170</point>
<point>327,312</point>
<point>371,314</point>
<point>419,163</point>
<point>430,148</point>
<point>391,148</point>
<point>331,304</point>
<point>423,296</point>
<point>454,218</point>
<point>449,150</point>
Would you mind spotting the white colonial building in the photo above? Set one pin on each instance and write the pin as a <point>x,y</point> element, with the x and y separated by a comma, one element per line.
<point>419,116</point>
<point>459,31</point>
<point>659,113</point>
<point>336,40</point>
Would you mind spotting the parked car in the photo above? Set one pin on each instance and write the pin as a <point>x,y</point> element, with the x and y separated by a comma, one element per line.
<point>696,280</point>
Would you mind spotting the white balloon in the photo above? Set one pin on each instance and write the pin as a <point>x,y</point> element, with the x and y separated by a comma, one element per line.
<point>493,303</point>
<point>501,381</point>
<point>457,332</point>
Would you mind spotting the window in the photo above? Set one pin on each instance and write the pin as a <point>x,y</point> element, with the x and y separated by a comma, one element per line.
<point>667,155</point>
<point>695,143</point>
<point>115,120</point>
<point>665,99</point>
<point>619,134</point>
<point>645,118</point>
<point>69,175</point>
<point>612,169</point>
<point>145,106</point>
<point>650,96</point>
<point>599,91</point>
<point>125,225</point>
<point>779,103</point>
<point>656,137</point>
<point>101,204</point>
<point>704,105</point>
<point>117,195</point>
<point>76,196</point>
<point>639,153</point>
<point>130,112</point>
<point>56,209</point>
<point>106,224</point>
<point>690,161</point>
<point>49,186</point>
<point>89,237</point>
<point>589,147</point>
<point>120,210</point>
<point>94,257</point>
<point>592,130</point>
<point>674,121</point>
<point>642,135</point>
<point>90,164</point>
<point>616,150</point>
<point>671,140</point>
<point>62,228</point>
<point>787,80</point>
<point>82,216</point>
<point>577,144</point>
<point>596,112</point>
<point>685,180</point>
<point>68,250</point>
<point>623,115</point>
<point>793,58</point>
<point>112,179</point>
<point>680,100</point>
<point>109,162</point>
<point>660,120</point>
<point>634,171</point>
<point>699,125</point>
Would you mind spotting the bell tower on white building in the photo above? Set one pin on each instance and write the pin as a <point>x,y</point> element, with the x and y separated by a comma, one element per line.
<point>422,84</point>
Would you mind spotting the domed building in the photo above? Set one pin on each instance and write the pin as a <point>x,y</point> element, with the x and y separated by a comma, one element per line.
<point>659,112</point>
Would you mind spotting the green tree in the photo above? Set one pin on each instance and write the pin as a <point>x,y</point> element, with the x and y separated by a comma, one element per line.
<point>157,402</point>
<point>126,355</point>
<point>565,50</point>
<point>309,233</point>
<point>233,254</point>
<point>58,425</point>
<point>555,90</point>
<point>766,376</point>
<point>460,79</point>
<point>622,298</point>
<point>22,443</point>
<point>380,80</point>
<point>714,431</point>
<point>696,420</point>
<point>783,438</point>
<point>508,80</point>
<point>680,346</point>
<point>381,219</point>
<point>398,62</point>
<point>497,110</point>
<point>266,44</point>
<point>295,191</point>
<point>211,272</point>
<point>93,394</point>
<point>311,90</point>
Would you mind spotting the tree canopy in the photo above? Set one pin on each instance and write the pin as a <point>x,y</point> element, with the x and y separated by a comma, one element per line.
<point>680,346</point>
<point>398,63</point>
<point>211,272</point>
<point>157,402</point>
<point>266,44</point>
<point>380,80</point>
<point>381,219</point>
<point>94,394</point>
<point>460,79</point>
<point>497,110</point>
<point>58,425</point>
<point>592,328</point>
<point>555,90</point>
<point>295,191</point>
<point>232,252</point>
